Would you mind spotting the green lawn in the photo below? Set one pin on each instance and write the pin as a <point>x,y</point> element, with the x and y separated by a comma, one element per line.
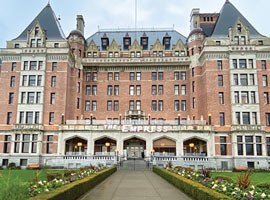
<point>25,175</point>
<point>258,177</point>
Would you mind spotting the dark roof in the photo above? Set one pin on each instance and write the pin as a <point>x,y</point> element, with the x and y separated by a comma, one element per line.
<point>207,29</point>
<point>152,36</point>
<point>76,32</point>
<point>228,17</point>
<point>49,22</point>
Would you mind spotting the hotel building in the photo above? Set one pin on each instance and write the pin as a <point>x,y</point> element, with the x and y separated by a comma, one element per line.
<point>197,101</point>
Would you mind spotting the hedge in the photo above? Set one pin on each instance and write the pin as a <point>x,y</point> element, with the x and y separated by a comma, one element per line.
<point>193,189</point>
<point>76,189</point>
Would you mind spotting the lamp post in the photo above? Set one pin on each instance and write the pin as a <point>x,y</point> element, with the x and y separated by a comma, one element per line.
<point>179,119</point>
<point>79,144</point>
<point>210,118</point>
<point>91,118</point>
<point>149,118</point>
<point>191,145</point>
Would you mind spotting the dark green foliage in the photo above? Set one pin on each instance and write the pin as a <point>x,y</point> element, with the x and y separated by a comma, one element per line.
<point>193,189</point>
<point>52,175</point>
<point>11,166</point>
<point>226,178</point>
<point>264,185</point>
<point>68,172</point>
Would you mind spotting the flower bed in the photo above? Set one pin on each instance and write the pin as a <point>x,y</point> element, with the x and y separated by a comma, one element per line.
<point>76,183</point>
<point>222,185</point>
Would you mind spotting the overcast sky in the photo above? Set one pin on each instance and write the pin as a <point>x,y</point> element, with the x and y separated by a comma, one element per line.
<point>16,15</point>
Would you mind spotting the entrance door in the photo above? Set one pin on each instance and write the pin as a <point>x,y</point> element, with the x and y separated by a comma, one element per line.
<point>135,148</point>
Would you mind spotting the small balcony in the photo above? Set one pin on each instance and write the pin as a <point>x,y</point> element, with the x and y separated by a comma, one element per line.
<point>135,113</point>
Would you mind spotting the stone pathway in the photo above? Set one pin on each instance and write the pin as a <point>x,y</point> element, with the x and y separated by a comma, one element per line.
<point>135,185</point>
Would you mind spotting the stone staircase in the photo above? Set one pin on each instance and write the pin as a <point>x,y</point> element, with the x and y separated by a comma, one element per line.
<point>138,165</point>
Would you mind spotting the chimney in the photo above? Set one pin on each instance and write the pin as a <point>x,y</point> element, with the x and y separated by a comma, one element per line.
<point>195,19</point>
<point>80,23</point>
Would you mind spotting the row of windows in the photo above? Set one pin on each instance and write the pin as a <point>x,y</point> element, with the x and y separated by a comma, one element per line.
<point>243,64</point>
<point>245,79</point>
<point>246,117</point>
<point>31,80</point>
<point>247,145</point>
<point>245,97</point>
<point>32,65</point>
<point>29,118</point>
<point>30,98</point>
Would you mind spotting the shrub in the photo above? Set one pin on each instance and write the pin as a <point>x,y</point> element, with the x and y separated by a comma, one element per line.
<point>68,172</point>
<point>11,166</point>
<point>52,175</point>
<point>206,173</point>
<point>1,167</point>
<point>169,164</point>
<point>244,180</point>
<point>18,167</point>
<point>46,167</point>
<point>264,185</point>
<point>226,178</point>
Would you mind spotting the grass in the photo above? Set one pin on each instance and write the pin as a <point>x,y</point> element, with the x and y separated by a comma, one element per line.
<point>25,175</point>
<point>257,177</point>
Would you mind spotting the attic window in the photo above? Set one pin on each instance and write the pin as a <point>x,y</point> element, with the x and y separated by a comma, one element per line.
<point>138,54</point>
<point>38,43</point>
<point>144,43</point>
<point>167,42</point>
<point>260,42</point>
<point>89,54</point>
<point>217,43</point>
<point>239,28</point>
<point>33,43</point>
<point>95,54</point>
<point>160,54</point>
<point>127,42</point>
<point>36,31</point>
<point>116,54</point>
<point>236,40</point>
<point>183,53</point>
<point>17,46</point>
<point>110,54</point>
<point>243,40</point>
<point>56,45</point>
<point>104,43</point>
<point>176,53</point>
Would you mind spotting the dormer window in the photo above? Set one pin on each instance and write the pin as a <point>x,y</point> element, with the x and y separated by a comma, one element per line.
<point>183,53</point>
<point>236,40</point>
<point>110,54</point>
<point>36,31</point>
<point>154,53</point>
<point>56,45</point>
<point>138,54</point>
<point>217,43</point>
<point>260,42</point>
<point>17,46</point>
<point>127,42</point>
<point>116,54</point>
<point>95,54</point>
<point>89,54</point>
<point>132,54</point>
<point>144,43</point>
<point>33,43</point>
<point>239,28</point>
<point>104,43</point>
<point>243,40</point>
<point>38,43</point>
<point>167,42</point>
<point>176,53</point>
<point>160,54</point>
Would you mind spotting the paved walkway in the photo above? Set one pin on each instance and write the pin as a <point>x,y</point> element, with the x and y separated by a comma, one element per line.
<point>135,185</point>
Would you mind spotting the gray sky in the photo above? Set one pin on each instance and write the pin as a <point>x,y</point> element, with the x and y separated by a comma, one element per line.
<point>16,15</point>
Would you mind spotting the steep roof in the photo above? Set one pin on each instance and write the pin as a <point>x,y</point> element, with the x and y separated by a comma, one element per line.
<point>48,22</point>
<point>228,17</point>
<point>152,36</point>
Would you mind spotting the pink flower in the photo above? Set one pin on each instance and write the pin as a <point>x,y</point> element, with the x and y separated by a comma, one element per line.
<point>72,179</point>
<point>250,196</point>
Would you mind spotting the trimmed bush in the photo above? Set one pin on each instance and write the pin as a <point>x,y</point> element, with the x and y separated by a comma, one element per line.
<point>264,185</point>
<point>52,175</point>
<point>12,166</point>
<point>193,189</point>
<point>75,190</point>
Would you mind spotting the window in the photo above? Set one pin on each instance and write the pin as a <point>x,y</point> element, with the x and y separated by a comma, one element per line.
<point>217,43</point>
<point>254,118</point>
<point>154,105</point>
<point>240,145</point>
<point>183,76</point>
<point>88,90</point>
<point>23,97</point>
<point>235,63</point>
<point>17,46</point>
<point>221,97</point>
<point>176,105</point>
<point>220,80</point>
<point>267,119</point>
<point>235,79</point>
<point>250,63</point>
<point>246,118</point>
<point>176,90</point>
<point>222,119</point>
<point>154,90</point>
<point>144,42</point>
<point>154,76</point>
<point>160,53</point>
<point>160,90</point>
<point>95,76</point>
<point>242,64</point>
<point>263,64</point>
<point>127,42</point>
<point>104,43</point>
<point>260,42</point>
<point>52,99</point>
<point>131,76</point>
<point>30,97</point>
<point>33,43</point>
<point>138,90</point>
<point>138,76</point>
<point>223,146</point>
<point>266,97</point>
<point>183,89</point>
<point>78,103</point>
<point>38,97</point>
<point>109,90</point>
<point>237,117</point>
<point>53,81</point>
<point>131,105</point>
<point>219,64</point>
<point>39,80</point>
<point>116,90</point>
<point>7,144</point>
<point>138,105</point>
<point>116,105</point>
<point>167,42</point>
<point>9,117</point>
<point>88,76</point>
<point>236,97</point>
<point>110,76</point>
<point>49,144</point>
<point>131,90</point>
<point>40,65</point>
<point>13,67</point>
<point>17,143</point>
<point>259,145</point>
<point>138,54</point>
<point>21,119</point>
<point>116,76</point>
<point>94,105</point>
<point>33,65</point>
<point>193,86</point>
<point>54,66</point>
<point>160,76</point>
<point>25,143</point>
<point>249,146</point>
<point>56,45</point>
<point>11,98</point>
<point>243,40</point>
<point>194,103</point>
<point>253,97</point>
<point>265,81</point>
<point>38,43</point>
<point>51,118</point>
<point>87,105</point>
<point>25,65</point>
<point>244,79</point>
<point>32,80</point>
<point>183,105</point>
<point>36,117</point>
<point>109,105</point>
<point>29,118</point>
<point>239,28</point>
<point>160,105</point>
<point>78,87</point>
<point>236,40</point>
<point>94,90</point>
<point>244,98</point>
<point>176,76</point>
<point>12,81</point>
<point>251,79</point>
<point>34,143</point>
<point>268,145</point>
